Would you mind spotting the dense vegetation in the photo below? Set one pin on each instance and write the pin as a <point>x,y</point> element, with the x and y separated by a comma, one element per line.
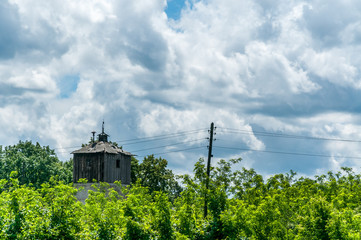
<point>241,205</point>
<point>35,164</point>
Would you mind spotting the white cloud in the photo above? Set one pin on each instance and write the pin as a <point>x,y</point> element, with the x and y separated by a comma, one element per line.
<point>39,79</point>
<point>271,71</point>
<point>333,66</point>
<point>268,66</point>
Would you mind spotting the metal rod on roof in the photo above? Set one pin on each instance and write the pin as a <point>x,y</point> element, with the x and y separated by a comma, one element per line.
<point>93,140</point>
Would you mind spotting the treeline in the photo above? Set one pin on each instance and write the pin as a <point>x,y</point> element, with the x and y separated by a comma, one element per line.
<point>241,205</point>
<point>34,164</point>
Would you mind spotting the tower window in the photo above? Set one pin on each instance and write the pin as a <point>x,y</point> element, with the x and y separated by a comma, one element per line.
<point>88,163</point>
<point>118,163</point>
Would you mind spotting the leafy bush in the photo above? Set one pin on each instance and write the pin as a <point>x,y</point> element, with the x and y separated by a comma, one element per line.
<point>240,204</point>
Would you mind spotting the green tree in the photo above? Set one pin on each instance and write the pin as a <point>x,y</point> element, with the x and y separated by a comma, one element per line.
<point>134,170</point>
<point>138,209</point>
<point>241,205</point>
<point>162,217</point>
<point>104,217</point>
<point>154,174</point>
<point>314,219</point>
<point>35,164</point>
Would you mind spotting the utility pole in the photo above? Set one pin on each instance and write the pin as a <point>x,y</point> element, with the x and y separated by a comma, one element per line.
<point>208,167</point>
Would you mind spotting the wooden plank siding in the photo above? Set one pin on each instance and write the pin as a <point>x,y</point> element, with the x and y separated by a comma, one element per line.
<point>89,166</point>
<point>114,173</point>
<point>102,167</point>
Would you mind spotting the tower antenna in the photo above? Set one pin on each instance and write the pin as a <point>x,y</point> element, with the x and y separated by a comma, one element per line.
<point>103,127</point>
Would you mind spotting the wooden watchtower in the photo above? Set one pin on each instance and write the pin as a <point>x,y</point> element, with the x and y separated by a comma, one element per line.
<point>101,161</point>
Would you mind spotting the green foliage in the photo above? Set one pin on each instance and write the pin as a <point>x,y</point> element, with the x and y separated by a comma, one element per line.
<point>241,205</point>
<point>103,213</point>
<point>134,170</point>
<point>137,211</point>
<point>162,217</point>
<point>153,174</point>
<point>62,210</point>
<point>35,164</point>
<point>50,212</point>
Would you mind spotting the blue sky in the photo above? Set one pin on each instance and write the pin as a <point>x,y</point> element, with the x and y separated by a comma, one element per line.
<point>174,8</point>
<point>281,80</point>
<point>68,85</point>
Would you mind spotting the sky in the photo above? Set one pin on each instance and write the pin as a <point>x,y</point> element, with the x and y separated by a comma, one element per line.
<point>280,80</point>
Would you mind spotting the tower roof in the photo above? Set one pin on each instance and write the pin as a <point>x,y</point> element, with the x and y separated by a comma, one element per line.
<point>100,147</point>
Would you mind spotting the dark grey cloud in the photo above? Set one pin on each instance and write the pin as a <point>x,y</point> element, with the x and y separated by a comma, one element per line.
<point>44,39</point>
<point>329,98</point>
<point>147,49</point>
<point>326,21</point>
<point>268,31</point>
<point>269,6</point>
<point>16,38</point>
<point>9,30</point>
<point>132,33</point>
<point>9,90</point>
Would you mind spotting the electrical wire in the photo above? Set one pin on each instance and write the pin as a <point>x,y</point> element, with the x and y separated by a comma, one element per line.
<point>281,135</point>
<point>287,153</point>
<point>224,130</point>
<point>180,150</point>
<point>161,137</point>
<point>66,147</point>
<point>148,139</point>
<point>169,145</point>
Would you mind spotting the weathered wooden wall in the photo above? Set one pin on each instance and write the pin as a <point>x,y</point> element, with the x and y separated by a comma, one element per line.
<point>102,167</point>
<point>112,173</point>
<point>89,166</point>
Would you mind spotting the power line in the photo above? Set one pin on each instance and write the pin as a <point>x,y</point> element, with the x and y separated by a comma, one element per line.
<point>66,147</point>
<point>147,139</point>
<point>281,135</point>
<point>186,149</point>
<point>287,153</point>
<point>160,137</point>
<point>169,145</point>
<point>223,130</point>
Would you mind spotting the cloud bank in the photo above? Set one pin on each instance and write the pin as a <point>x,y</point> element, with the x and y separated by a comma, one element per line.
<point>287,67</point>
